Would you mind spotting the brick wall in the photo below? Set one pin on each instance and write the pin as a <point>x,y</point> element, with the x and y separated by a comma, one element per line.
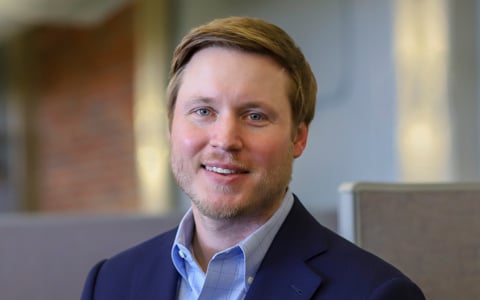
<point>84,154</point>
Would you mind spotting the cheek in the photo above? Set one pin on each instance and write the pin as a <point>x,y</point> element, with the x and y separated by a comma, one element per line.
<point>272,151</point>
<point>184,139</point>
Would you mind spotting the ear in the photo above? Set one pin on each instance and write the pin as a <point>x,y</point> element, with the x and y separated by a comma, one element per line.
<point>300,140</point>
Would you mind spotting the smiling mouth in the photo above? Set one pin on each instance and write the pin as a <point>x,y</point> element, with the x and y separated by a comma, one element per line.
<point>223,171</point>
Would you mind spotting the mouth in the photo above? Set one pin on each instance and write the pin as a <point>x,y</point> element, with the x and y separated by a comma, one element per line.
<point>224,170</point>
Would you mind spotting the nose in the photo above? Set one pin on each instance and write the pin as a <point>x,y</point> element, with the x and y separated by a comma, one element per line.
<point>226,134</point>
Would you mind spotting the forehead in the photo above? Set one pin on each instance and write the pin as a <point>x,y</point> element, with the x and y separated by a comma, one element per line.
<point>234,72</point>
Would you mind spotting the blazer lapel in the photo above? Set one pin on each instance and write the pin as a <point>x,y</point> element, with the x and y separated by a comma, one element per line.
<point>292,280</point>
<point>285,272</point>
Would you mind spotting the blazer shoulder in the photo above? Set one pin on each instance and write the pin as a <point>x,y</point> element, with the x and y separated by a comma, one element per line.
<point>132,271</point>
<point>89,286</point>
<point>361,272</point>
<point>156,248</point>
<point>398,288</point>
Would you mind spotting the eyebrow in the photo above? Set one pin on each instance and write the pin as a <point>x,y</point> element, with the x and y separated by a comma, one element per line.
<point>199,99</point>
<point>196,101</point>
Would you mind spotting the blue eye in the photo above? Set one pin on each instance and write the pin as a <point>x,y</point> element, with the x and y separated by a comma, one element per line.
<point>256,116</point>
<point>202,112</point>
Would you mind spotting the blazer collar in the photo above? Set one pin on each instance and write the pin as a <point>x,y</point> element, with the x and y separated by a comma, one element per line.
<point>285,272</point>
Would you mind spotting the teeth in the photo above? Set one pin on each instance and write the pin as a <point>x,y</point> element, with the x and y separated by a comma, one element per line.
<point>219,170</point>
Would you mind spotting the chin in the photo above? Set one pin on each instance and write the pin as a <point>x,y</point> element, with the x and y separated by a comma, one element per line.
<point>218,213</point>
<point>219,206</point>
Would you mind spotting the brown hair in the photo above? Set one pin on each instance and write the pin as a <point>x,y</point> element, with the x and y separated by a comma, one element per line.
<point>256,36</point>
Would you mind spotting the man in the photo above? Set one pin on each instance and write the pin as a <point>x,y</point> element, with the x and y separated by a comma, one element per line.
<point>240,101</point>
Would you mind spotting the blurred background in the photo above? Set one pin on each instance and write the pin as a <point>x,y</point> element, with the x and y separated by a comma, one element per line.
<point>82,105</point>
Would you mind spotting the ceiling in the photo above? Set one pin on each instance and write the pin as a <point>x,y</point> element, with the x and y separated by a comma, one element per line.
<point>18,15</point>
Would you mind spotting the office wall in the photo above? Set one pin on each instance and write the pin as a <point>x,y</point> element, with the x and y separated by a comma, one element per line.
<point>83,116</point>
<point>464,96</point>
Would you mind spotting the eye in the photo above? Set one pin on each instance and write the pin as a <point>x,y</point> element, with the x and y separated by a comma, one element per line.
<point>203,112</point>
<point>256,116</point>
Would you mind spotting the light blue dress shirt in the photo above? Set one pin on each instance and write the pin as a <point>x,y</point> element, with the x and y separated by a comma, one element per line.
<point>230,272</point>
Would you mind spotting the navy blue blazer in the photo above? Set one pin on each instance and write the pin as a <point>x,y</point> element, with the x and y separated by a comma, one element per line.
<point>305,261</point>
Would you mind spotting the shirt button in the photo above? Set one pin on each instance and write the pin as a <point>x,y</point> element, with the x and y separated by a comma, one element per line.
<point>250,280</point>
<point>182,254</point>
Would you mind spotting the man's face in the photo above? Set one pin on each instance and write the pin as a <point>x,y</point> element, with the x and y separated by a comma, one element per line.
<point>232,147</point>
